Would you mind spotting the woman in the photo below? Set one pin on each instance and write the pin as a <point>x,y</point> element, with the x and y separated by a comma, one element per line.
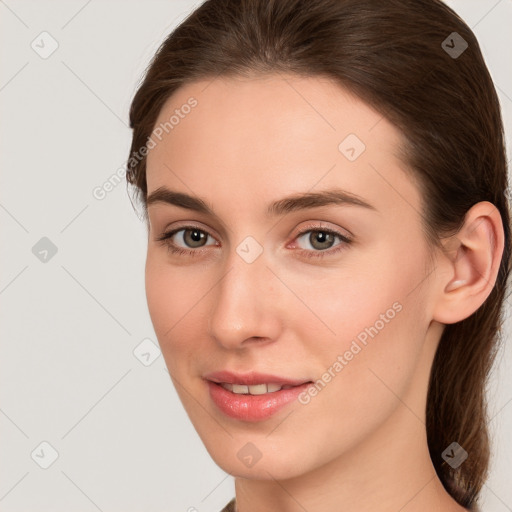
<point>323,184</point>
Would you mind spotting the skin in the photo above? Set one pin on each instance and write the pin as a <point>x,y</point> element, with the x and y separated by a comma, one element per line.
<point>361,441</point>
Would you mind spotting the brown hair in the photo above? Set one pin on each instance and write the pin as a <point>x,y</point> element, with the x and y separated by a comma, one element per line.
<point>396,56</point>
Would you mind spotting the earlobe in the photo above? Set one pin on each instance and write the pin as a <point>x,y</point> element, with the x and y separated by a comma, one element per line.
<point>470,268</point>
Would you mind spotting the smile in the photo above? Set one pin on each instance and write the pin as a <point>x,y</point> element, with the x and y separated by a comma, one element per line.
<point>258,389</point>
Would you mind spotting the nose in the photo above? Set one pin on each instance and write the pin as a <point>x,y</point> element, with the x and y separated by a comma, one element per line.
<point>246,306</point>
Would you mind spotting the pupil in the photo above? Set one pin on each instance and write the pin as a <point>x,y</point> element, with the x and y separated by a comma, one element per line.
<point>321,237</point>
<point>195,236</point>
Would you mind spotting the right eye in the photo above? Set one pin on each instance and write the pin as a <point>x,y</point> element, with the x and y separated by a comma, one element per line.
<point>192,237</point>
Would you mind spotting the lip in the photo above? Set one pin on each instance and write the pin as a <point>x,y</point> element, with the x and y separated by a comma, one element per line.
<point>252,408</point>
<point>252,379</point>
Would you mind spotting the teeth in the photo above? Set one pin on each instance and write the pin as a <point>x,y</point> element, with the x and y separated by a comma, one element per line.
<point>240,388</point>
<point>258,389</point>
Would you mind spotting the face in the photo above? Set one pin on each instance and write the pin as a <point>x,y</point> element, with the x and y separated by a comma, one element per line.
<point>330,290</point>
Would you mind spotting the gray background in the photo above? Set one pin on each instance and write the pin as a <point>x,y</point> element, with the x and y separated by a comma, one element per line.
<point>73,373</point>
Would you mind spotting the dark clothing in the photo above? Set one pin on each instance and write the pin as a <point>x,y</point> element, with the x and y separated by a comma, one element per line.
<point>231,507</point>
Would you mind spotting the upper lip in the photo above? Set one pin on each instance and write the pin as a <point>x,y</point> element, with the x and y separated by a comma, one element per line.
<point>252,378</point>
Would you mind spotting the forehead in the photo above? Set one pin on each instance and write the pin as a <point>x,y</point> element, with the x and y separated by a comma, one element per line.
<point>270,105</point>
<point>258,136</point>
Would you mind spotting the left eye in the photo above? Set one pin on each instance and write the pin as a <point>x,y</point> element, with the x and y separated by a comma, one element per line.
<point>321,239</point>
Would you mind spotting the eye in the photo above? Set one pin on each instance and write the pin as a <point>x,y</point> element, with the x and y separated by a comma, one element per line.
<point>321,240</point>
<point>192,237</point>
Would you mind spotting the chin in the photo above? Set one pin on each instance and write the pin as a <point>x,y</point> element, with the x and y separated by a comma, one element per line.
<point>273,464</point>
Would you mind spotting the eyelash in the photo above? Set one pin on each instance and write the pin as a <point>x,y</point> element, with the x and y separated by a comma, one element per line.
<point>165,240</point>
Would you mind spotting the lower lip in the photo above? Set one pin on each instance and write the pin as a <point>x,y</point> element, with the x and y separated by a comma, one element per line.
<point>253,407</point>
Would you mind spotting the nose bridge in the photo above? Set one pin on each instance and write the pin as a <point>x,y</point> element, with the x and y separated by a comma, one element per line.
<point>243,298</point>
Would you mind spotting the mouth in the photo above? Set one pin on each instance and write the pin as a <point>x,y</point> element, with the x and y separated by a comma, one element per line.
<point>253,397</point>
<point>257,389</point>
<point>253,380</point>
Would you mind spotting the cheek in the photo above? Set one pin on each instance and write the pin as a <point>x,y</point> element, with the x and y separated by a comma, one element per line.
<point>370,322</point>
<point>365,370</point>
<point>354,301</point>
<point>172,294</point>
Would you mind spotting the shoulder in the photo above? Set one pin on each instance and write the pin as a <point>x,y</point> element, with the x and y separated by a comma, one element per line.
<point>230,507</point>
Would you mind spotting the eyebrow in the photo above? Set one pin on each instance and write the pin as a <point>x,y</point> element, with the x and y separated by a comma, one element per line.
<point>295,202</point>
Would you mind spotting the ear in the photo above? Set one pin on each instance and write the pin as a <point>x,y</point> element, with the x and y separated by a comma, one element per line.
<point>469,265</point>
